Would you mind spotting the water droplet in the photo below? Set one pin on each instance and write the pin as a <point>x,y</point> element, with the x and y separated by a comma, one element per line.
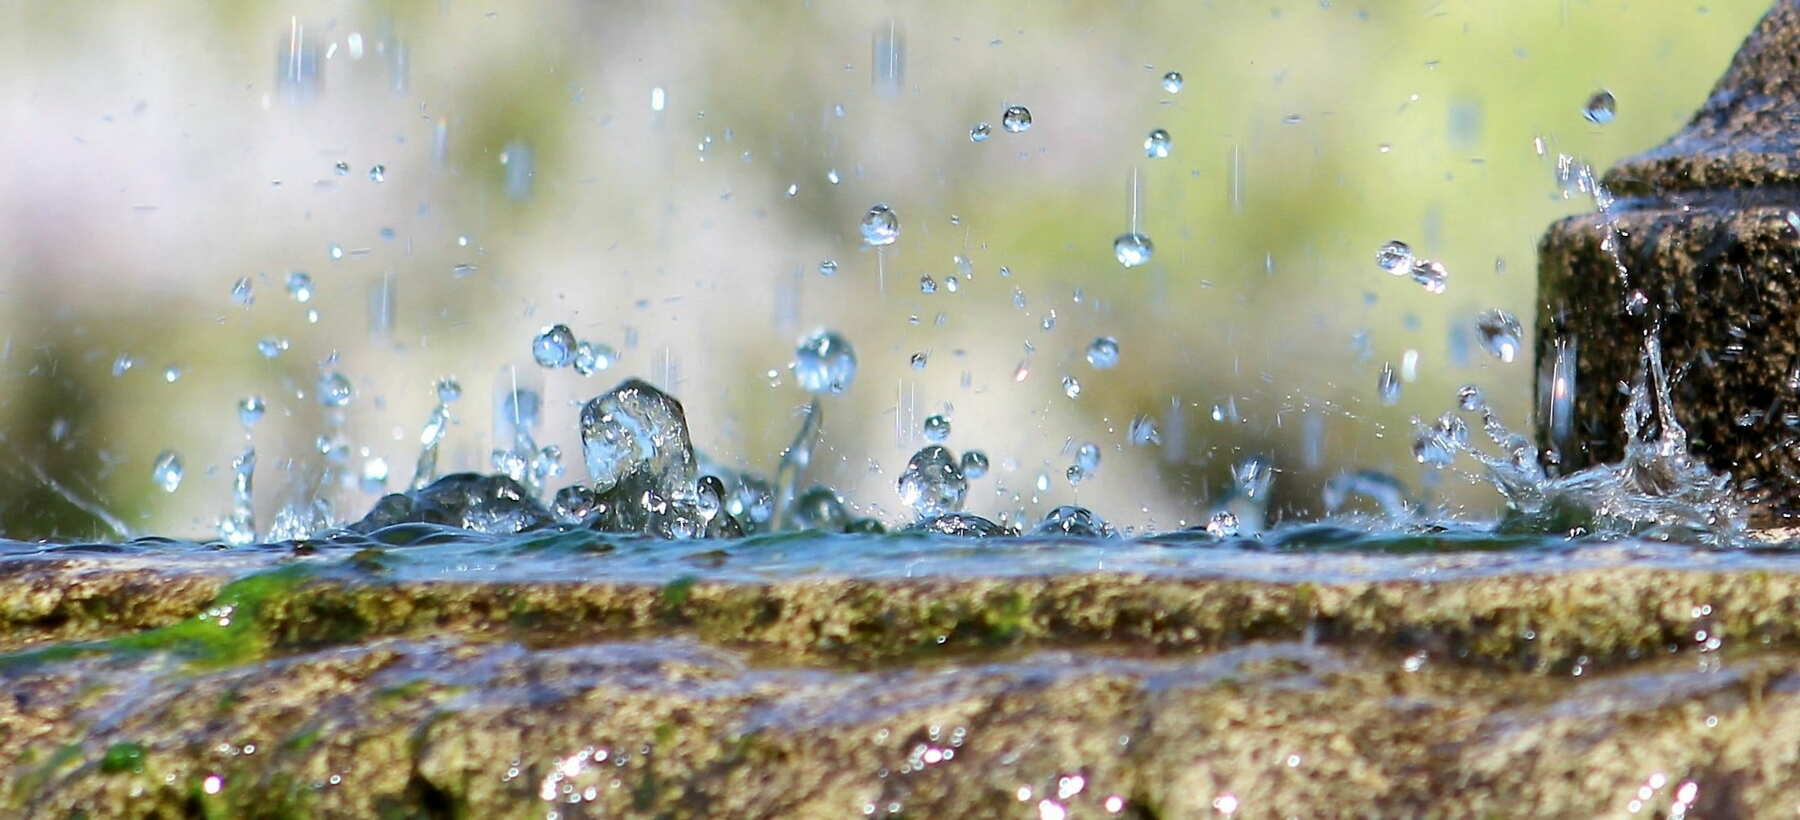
<point>1395,257</point>
<point>824,363</point>
<point>937,428</point>
<point>927,285</point>
<point>950,284</point>
<point>1103,353</point>
<point>1158,144</point>
<point>334,389</point>
<point>793,190</point>
<point>1432,276</point>
<point>172,373</point>
<point>636,432</point>
<point>980,132</point>
<point>554,346</point>
<point>271,346</point>
<point>1143,431</point>
<point>1133,249</point>
<point>828,267</point>
<point>1075,475</point>
<point>880,226</point>
<point>250,410</point>
<point>1171,82</point>
<point>1636,303</point>
<point>932,483</point>
<point>374,475</point>
<point>335,251</point>
<point>659,99</point>
<point>974,464</point>
<point>378,173</point>
<point>300,286</point>
<point>342,168</point>
<point>123,364</point>
<point>593,357</point>
<point>242,294</point>
<point>1016,119</point>
<point>448,389</point>
<point>1600,108</point>
<point>166,471</point>
<point>1500,334</point>
<point>1071,386</point>
<point>1087,457</point>
<point>918,361</point>
<point>1222,524</point>
<point>1468,397</point>
<point>1387,385</point>
<point>831,176</point>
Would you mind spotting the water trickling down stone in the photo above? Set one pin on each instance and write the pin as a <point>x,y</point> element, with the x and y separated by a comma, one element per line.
<point>1133,249</point>
<point>825,363</point>
<point>554,346</point>
<point>932,483</point>
<point>1500,334</point>
<point>1016,119</point>
<point>1158,144</point>
<point>880,225</point>
<point>1103,353</point>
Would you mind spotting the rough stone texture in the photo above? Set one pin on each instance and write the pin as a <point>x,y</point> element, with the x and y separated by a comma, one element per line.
<point>1703,231</point>
<point>1483,685</point>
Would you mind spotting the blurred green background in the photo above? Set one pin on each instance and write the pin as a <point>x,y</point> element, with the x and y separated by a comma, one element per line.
<point>159,152</point>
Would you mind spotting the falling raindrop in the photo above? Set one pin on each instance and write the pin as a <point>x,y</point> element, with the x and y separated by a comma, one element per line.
<point>242,294</point>
<point>880,226</point>
<point>974,464</point>
<point>828,267</point>
<point>1071,387</point>
<point>166,471</point>
<point>1143,431</point>
<point>937,428</point>
<point>1432,276</point>
<point>1133,249</point>
<point>927,285</point>
<point>1395,257</point>
<point>932,483</point>
<point>334,389</point>
<point>271,346</point>
<point>825,363</point>
<point>342,168</point>
<point>980,132</point>
<point>378,173</point>
<point>918,361</point>
<point>300,286</point>
<point>554,346</point>
<point>1387,385</point>
<point>1016,119</point>
<point>250,410</point>
<point>1600,108</point>
<point>1103,353</point>
<point>1157,145</point>
<point>1500,334</point>
<point>1171,82</point>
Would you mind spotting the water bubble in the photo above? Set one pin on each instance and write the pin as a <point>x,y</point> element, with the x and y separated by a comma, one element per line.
<point>448,389</point>
<point>1395,257</point>
<point>1387,385</point>
<point>937,428</point>
<point>1143,431</point>
<point>1600,108</point>
<point>828,267</point>
<point>1133,249</point>
<point>593,357</point>
<point>980,132</point>
<point>166,471</point>
<point>242,294</point>
<point>250,410</point>
<point>1071,387</point>
<point>554,346</point>
<point>377,173</point>
<point>927,285</point>
<point>300,286</point>
<point>1500,334</point>
<point>1087,457</point>
<point>1016,119</point>
<point>974,464</point>
<point>880,226</point>
<point>334,389</point>
<point>918,361</point>
<point>825,363</point>
<point>932,483</point>
<point>1103,353</point>
<point>271,346</point>
<point>1222,524</point>
<point>1433,276</point>
<point>1157,145</point>
<point>1171,82</point>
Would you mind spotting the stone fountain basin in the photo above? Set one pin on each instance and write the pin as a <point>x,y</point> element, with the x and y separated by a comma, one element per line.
<point>588,675</point>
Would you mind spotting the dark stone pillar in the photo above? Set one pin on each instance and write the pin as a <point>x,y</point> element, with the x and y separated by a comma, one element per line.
<point>1706,227</point>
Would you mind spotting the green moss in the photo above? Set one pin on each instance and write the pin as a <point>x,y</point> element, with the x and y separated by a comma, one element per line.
<point>123,757</point>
